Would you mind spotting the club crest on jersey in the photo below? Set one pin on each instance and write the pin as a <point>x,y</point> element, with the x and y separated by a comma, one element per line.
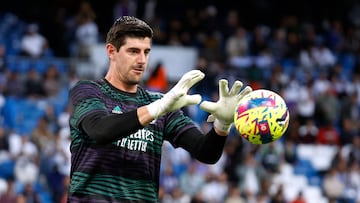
<point>117,110</point>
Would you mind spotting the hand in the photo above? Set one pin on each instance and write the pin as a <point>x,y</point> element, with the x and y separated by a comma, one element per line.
<point>222,112</point>
<point>177,97</point>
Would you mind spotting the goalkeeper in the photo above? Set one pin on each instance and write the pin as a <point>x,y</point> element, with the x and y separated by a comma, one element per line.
<point>118,127</point>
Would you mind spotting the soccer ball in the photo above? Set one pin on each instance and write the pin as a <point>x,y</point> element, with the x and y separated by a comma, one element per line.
<point>261,116</point>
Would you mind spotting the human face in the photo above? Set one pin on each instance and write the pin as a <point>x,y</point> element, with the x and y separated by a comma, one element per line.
<point>127,66</point>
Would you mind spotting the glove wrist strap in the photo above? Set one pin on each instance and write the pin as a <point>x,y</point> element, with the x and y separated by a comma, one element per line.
<point>221,126</point>
<point>154,109</point>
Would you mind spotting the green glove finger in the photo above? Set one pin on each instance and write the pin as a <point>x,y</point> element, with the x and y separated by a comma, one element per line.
<point>244,92</point>
<point>211,118</point>
<point>192,99</point>
<point>223,88</point>
<point>208,106</point>
<point>235,89</point>
<point>189,79</point>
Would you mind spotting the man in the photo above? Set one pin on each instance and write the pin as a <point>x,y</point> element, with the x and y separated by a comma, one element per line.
<point>118,127</point>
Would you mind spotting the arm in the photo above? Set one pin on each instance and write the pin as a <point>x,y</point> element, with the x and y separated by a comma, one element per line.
<point>206,148</point>
<point>104,127</point>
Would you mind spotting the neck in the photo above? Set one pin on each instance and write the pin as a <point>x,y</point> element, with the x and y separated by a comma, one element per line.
<point>118,84</point>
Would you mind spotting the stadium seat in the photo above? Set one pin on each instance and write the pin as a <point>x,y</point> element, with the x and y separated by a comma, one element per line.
<point>289,65</point>
<point>61,66</point>
<point>7,169</point>
<point>9,112</point>
<point>40,65</point>
<point>348,62</point>
<point>24,65</point>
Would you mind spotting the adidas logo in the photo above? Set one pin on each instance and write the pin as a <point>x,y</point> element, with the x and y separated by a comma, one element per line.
<point>117,110</point>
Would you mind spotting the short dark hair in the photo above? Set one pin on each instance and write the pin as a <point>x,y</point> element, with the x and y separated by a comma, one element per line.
<point>127,26</point>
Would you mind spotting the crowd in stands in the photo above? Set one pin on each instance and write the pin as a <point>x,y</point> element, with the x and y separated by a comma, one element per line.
<point>314,66</point>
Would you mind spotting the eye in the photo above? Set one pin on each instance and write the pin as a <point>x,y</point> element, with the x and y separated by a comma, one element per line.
<point>133,51</point>
<point>147,52</point>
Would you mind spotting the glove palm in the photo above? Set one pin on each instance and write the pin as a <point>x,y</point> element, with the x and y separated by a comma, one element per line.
<point>222,111</point>
<point>177,97</point>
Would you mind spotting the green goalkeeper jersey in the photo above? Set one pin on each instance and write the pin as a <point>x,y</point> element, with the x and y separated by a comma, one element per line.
<point>126,169</point>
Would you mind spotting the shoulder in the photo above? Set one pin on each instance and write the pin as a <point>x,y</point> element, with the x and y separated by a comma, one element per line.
<point>86,84</point>
<point>152,95</point>
<point>86,88</point>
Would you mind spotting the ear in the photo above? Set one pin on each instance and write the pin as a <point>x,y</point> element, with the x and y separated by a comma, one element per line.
<point>110,50</point>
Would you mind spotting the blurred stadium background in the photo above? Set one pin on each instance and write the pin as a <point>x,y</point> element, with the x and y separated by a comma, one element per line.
<point>308,51</point>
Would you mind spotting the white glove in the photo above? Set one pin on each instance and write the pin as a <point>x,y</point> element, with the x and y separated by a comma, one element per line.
<point>177,97</point>
<point>222,112</point>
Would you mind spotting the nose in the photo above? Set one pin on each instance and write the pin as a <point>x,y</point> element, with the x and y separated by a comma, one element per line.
<point>142,58</point>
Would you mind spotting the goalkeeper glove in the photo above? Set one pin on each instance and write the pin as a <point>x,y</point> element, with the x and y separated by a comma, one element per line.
<point>222,112</point>
<point>177,97</point>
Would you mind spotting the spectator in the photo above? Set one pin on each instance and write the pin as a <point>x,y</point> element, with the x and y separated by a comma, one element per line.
<point>14,85</point>
<point>215,188</point>
<point>232,22</point>
<point>3,58</point>
<point>278,197</point>
<point>124,8</point>
<point>62,156</point>
<point>42,136</point>
<point>234,195</point>
<point>87,31</point>
<point>33,43</point>
<point>168,179</point>
<point>333,185</point>
<point>323,56</point>
<point>250,174</point>
<point>191,180</point>
<point>26,167</point>
<point>351,40</point>
<point>177,196</point>
<point>306,60</point>
<point>328,134</point>
<point>308,132</point>
<point>352,193</point>
<point>271,156</point>
<point>34,85</point>
<point>351,151</point>
<point>54,183</point>
<point>278,79</point>
<point>29,195</point>
<point>237,45</point>
<point>52,81</point>
<point>294,46</point>
<point>277,44</point>
<point>306,102</point>
<point>4,144</point>
<point>327,108</point>
<point>334,36</point>
<point>51,116</point>
<point>290,151</point>
<point>350,117</point>
<point>158,80</point>
<point>258,41</point>
<point>10,195</point>
<point>299,198</point>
